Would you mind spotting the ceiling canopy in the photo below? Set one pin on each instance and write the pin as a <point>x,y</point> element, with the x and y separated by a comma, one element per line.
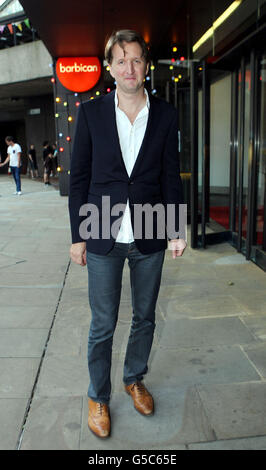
<point>81,27</point>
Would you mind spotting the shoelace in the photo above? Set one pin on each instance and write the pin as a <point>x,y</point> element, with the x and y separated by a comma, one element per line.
<point>139,386</point>
<point>100,408</point>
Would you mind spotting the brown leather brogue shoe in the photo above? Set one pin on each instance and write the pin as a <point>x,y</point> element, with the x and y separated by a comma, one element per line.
<point>99,419</point>
<point>143,401</point>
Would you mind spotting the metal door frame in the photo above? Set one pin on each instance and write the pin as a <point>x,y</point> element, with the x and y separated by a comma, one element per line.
<point>246,246</point>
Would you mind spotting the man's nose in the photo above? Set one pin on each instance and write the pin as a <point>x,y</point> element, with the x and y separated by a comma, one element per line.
<point>130,67</point>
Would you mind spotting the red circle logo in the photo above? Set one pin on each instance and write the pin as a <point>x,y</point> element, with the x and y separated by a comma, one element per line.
<point>78,74</point>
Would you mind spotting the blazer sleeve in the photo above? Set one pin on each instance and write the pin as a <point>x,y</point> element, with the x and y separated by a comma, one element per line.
<point>80,172</point>
<point>171,183</point>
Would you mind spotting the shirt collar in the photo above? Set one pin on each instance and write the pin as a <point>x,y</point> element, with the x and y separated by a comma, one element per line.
<point>147,99</point>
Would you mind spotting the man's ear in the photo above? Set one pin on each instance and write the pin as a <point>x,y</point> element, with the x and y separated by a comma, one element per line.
<point>110,70</point>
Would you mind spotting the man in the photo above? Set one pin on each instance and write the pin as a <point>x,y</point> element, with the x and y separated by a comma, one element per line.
<point>33,162</point>
<point>125,149</point>
<point>55,159</point>
<point>14,159</point>
<point>47,162</point>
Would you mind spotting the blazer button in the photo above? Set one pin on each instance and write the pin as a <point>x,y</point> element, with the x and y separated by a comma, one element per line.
<point>131,182</point>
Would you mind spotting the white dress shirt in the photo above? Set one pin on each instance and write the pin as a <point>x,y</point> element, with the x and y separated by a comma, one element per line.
<point>130,138</point>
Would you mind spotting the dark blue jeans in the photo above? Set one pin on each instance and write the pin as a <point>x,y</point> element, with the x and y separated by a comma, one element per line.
<point>16,175</point>
<point>105,282</point>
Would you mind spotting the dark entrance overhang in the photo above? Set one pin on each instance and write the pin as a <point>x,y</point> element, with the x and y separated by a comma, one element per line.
<point>80,28</point>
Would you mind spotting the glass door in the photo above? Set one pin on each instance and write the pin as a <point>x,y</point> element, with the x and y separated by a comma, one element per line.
<point>261,175</point>
<point>258,248</point>
<point>228,156</point>
<point>242,156</point>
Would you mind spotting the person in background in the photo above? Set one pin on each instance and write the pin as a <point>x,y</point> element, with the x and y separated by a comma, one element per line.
<point>14,159</point>
<point>33,162</point>
<point>47,162</point>
<point>55,161</point>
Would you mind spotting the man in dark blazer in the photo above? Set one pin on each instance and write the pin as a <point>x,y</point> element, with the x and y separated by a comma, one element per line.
<point>125,156</point>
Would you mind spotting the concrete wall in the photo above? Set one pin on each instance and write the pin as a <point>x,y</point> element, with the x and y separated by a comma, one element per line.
<point>25,62</point>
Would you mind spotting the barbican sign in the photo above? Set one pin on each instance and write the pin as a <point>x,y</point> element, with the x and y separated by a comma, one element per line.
<point>78,74</point>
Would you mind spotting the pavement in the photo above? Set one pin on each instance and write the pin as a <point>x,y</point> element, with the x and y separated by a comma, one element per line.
<point>207,369</point>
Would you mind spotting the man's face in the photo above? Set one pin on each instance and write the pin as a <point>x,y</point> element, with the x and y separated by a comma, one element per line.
<point>128,67</point>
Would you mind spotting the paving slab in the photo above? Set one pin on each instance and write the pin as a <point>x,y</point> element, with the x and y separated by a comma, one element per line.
<point>253,304</point>
<point>235,409</point>
<point>189,366</point>
<point>53,424</point>
<point>43,266</point>
<point>199,332</point>
<point>32,296</point>
<point>250,443</point>
<point>256,323</point>
<point>26,317</point>
<point>17,376</point>
<point>73,315</point>
<point>63,377</point>
<point>16,342</point>
<point>182,290</point>
<point>212,305</point>
<point>12,411</point>
<point>257,355</point>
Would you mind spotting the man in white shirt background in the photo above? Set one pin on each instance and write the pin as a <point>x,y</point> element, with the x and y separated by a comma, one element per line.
<point>14,159</point>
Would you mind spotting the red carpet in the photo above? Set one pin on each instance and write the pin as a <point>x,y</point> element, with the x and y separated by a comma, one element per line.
<point>221,215</point>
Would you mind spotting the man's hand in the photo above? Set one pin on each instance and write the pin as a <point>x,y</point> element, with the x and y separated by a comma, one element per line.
<point>78,253</point>
<point>177,246</point>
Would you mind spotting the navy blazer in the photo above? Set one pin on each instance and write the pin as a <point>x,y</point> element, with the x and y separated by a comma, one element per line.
<point>97,169</point>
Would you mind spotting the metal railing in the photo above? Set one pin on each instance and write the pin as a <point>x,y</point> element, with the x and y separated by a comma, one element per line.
<point>16,30</point>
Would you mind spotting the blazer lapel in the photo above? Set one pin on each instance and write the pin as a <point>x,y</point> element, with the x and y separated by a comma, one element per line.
<point>146,138</point>
<point>109,118</point>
